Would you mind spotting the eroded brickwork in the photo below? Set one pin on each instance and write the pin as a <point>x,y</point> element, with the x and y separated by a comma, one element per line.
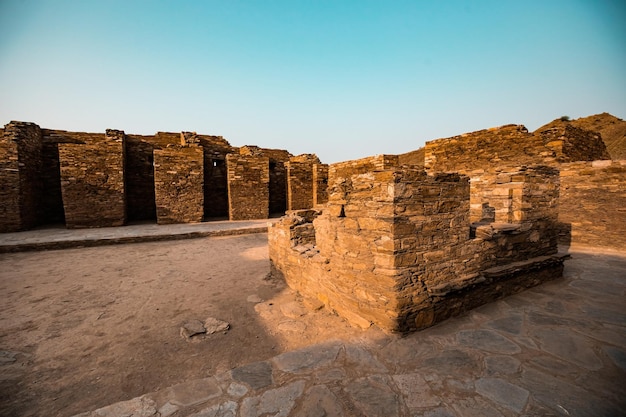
<point>179,184</point>
<point>593,204</point>
<point>248,186</point>
<point>92,182</point>
<point>571,143</point>
<point>394,246</point>
<point>320,184</point>
<point>20,183</point>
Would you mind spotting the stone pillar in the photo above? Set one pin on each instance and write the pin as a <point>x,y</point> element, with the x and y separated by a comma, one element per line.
<point>92,182</point>
<point>179,183</point>
<point>320,184</point>
<point>248,186</point>
<point>20,179</point>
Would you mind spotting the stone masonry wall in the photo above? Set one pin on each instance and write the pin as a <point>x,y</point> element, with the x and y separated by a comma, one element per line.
<point>179,186</point>
<point>571,143</point>
<point>248,186</point>
<point>31,179</point>
<point>593,204</point>
<point>394,246</point>
<point>92,182</point>
<point>299,185</point>
<point>52,198</point>
<point>320,184</point>
<point>20,183</point>
<point>510,145</point>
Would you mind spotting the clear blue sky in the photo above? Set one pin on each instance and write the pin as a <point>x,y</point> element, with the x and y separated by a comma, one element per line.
<point>343,79</point>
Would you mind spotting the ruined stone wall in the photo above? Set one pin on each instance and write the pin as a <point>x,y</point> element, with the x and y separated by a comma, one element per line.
<point>320,184</point>
<point>394,246</point>
<point>248,186</point>
<point>92,182</point>
<point>20,183</point>
<point>299,185</point>
<point>510,145</point>
<point>593,204</point>
<point>179,185</point>
<point>571,143</point>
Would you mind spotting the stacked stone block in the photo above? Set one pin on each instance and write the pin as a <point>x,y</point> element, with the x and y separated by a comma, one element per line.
<point>320,184</point>
<point>571,143</point>
<point>92,182</point>
<point>248,186</point>
<point>592,205</point>
<point>20,182</point>
<point>179,184</point>
<point>299,185</point>
<point>393,246</point>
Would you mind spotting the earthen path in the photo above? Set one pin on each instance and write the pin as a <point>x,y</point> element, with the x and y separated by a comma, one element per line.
<point>555,350</point>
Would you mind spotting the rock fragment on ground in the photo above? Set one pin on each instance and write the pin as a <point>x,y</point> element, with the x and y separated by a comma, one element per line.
<point>213,325</point>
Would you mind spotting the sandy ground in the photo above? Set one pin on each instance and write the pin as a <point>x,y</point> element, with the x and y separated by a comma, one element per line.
<point>83,328</point>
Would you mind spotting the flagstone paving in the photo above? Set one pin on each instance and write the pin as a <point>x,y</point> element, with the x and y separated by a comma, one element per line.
<point>555,350</point>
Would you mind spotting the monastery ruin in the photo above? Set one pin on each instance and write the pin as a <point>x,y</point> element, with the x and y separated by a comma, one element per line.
<point>399,241</point>
<point>109,179</point>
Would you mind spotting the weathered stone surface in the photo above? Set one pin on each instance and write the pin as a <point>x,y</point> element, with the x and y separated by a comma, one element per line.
<point>501,365</point>
<point>194,392</point>
<point>279,402</point>
<point>416,392</point>
<point>213,325</point>
<point>373,396</point>
<point>568,346</point>
<point>92,182</point>
<point>226,409</point>
<point>308,358</point>
<point>248,186</point>
<point>256,375</point>
<point>179,184</point>
<point>192,328</point>
<point>319,401</point>
<point>504,393</point>
<point>487,340</point>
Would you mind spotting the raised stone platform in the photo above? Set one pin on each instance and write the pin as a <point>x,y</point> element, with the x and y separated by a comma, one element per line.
<point>61,238</point>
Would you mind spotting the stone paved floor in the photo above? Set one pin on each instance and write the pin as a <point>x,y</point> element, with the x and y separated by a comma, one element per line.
<point>58,237</point>
<point>555,350</point>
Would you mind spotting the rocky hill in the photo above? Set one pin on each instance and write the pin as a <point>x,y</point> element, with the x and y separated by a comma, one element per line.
<point>612,129</point>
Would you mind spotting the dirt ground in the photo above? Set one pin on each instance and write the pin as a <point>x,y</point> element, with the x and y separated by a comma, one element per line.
<point>84,328</point>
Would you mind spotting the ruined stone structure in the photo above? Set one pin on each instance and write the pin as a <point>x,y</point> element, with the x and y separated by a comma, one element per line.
<point>93,179</point>
<point>394,245</point>
<point>593,204</point>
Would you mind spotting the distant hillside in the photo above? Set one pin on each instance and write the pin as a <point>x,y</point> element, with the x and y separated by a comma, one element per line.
<point>612,129</point>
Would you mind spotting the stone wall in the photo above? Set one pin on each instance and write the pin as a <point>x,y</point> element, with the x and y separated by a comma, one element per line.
<point>593,204</point>
<point>320,184</point>
<point>248,186</point>
<point>394,246</point>
<point>92,182</point>
<point>299,185</point>
<point>52,198</point>
<point>571,143</point>
<point>20,183</point>
<point>179,185</point>
<point>510,145</point>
